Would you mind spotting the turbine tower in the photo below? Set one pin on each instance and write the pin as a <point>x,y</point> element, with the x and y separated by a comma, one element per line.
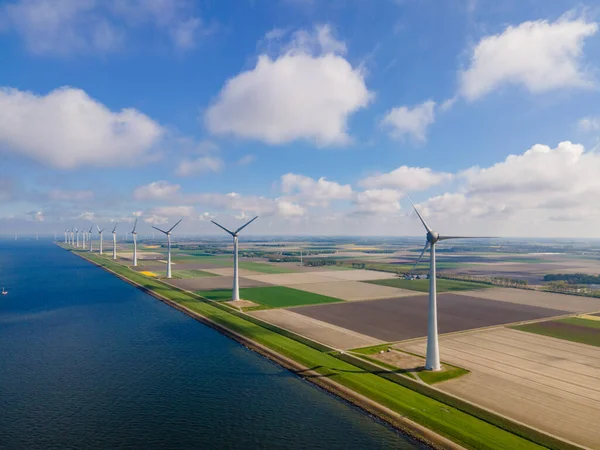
<point>236,285</point>
<point>100,231</point>
<point>168,233</point>
<point>90,237</point>
<point>76,238</point>
<point>432,359</point>
<point>114,233</point>
<point>66,233</point>
<point>134,233</point>
<point>83,236</point>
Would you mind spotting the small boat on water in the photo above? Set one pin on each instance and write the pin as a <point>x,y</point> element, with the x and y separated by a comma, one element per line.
<point>4,291</point>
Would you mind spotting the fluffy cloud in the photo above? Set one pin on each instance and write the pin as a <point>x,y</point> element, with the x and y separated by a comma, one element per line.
<point>378,201</point>
<point>413,122</point>
<point>314,192</point>
<point>589,123</point>
<point>63,27</point>
<point>538,55</point>
<point>173,211</point>
<point>526,193</point>
<point>304,93</point>
<point>37,216</point>
<point>289,209</point>
<point>157,190</point>
<point>406,178</point>
<point>199,165</point>
<point>87,216</point>
<point>67,129</point>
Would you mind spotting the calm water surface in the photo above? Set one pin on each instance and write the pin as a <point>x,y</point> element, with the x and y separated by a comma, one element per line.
<point>88,361</point>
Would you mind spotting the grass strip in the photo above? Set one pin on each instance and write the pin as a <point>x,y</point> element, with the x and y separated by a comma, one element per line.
<point>423,285</point>
<point>414,403</point>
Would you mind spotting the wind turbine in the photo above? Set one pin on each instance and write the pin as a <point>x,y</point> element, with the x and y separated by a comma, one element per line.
<point>76,238</point>
<point>114,233</point>
<point>100,231</point>
<point>432,359</point>
<point>90,237</point>
<point>66,232</point>
<point>83,236</point>
<point>168,233</point>
<point>134,233</point>
<point>234,234</point>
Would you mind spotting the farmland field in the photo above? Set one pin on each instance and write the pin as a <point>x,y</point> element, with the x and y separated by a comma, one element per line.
<point>272,296</point>
<point>573,329</point>
<point>264,267</point>
<point>192,273</point>
<point>423,285</point>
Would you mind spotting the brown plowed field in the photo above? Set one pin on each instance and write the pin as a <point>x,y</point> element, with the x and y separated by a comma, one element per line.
<point>213,283</point>
<point>397,319</point>
<point>545,382</point>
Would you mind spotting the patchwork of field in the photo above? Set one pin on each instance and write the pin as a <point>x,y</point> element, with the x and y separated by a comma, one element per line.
<point>583,329</point>
<point>357,275</point>
<point>422,285</point>
<point>545,382</point>
<point>403,318</point>
<point>326,333</point>
<point>213,283</point>
<point>228,271</point>
<point>354,290</point>
<point>291,279</point>
<point>272,296</point>
<point>191,273</point>
<point>571,303</point>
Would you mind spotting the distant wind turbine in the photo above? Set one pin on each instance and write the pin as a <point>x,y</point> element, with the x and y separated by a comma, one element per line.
<point>76,238</point>
<point>66,233</point>
<point>100,231</point>
<point>234,234</point>
<point>90,236</point>
<point>432,360</point>
<point>168,233</point>
<point>134,233</point>
<point>114,233</point>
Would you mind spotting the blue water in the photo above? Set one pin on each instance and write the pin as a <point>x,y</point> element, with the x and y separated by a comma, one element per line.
<point>89,361</point>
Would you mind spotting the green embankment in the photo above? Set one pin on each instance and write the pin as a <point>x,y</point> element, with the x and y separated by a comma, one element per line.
<point>423,285</point>
<point>584,331</point>
<point>271,296</point>
<point>192,273</point>
<point>452,422</point>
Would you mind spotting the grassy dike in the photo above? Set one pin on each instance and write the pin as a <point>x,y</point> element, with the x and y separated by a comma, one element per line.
<point>405,408</point>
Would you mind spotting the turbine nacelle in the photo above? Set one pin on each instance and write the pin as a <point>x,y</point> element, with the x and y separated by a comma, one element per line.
<point>432,237</point>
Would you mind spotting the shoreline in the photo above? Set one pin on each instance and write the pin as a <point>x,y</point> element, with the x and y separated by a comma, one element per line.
<point>403,411</point>
<point>397,421</point>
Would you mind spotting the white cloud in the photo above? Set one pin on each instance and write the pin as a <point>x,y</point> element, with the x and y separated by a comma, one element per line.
<point>173,211</point>
<point>157,190</point>
<point>378,201</point>
<point>67,129</point>
<point>589,123</point>
<point>87,216</point>
<point>156,220</point>
<point>298,95</point>
<point>137,213</point>
<point>200,165</point>
<point>37,216</point>
<point>314,192</point>
<point>405,121</point>
<point>538,55</point>
<point>64,27</point>
<point>406,178</point>
<point>289,209</point>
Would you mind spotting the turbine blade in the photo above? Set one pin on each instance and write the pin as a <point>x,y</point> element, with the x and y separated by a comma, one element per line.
<point>245,225</point>
<point>115,228</point>
<point>98,228</point>
<point>445,238</point>
<point>221,226</point>
<point>420,256</point>
<point>158,229</point>
<point>418,214</point>
<point>134,225</point>
<point>171,229</point>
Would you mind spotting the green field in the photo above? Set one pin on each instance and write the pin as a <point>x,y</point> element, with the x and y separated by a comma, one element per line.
<point>264,267</point>
<point>272,296</point>
<point>460,426</point>
<point>192,273</point>
<point>423,285</point>
<point>575,329</point>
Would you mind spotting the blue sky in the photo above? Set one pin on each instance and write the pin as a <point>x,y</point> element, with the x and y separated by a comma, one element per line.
<point>317,116</point>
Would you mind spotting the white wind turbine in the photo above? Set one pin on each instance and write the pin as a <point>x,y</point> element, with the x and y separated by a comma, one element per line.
<point>134,233</point>
<point>90,236</point>
<point>234,234</point>
<point>66,233</point>
<point>100,231</point>
<point>168,233</point>
<point>72,237</point>
<point>114,233</point>
<point>76,238</point>
<point>432,359</point>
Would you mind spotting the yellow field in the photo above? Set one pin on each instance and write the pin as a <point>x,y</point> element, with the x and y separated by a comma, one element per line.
<point>152,246</point>
<point>149,274</point>
<point>589,317</point>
